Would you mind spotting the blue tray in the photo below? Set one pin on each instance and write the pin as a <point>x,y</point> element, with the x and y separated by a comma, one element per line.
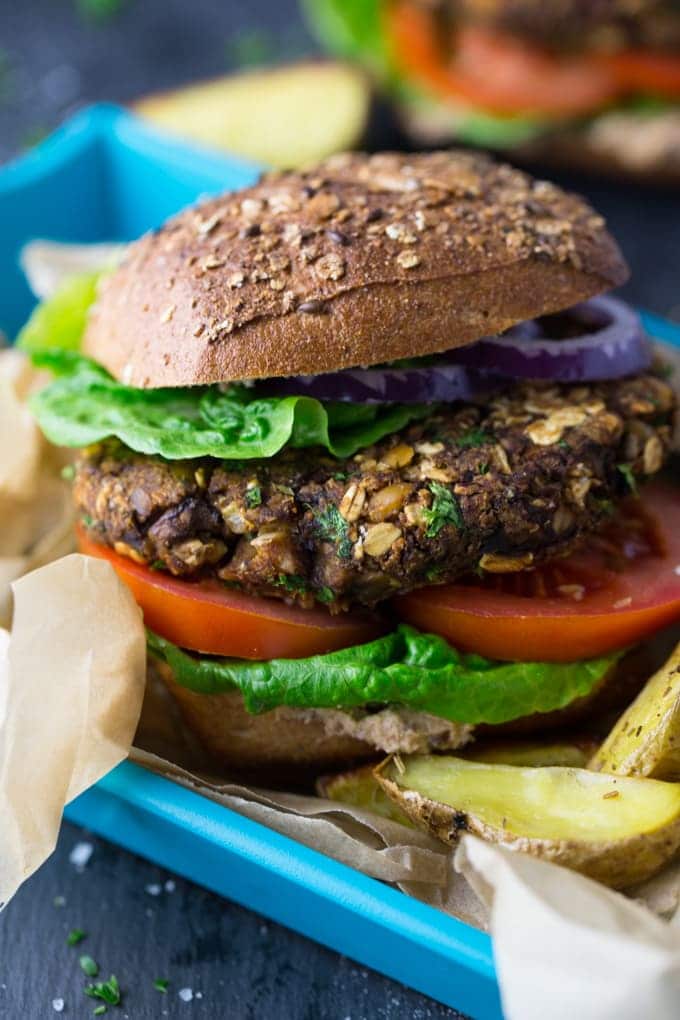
<point>106,176</point>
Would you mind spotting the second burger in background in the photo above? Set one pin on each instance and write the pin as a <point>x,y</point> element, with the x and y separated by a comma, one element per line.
<point>594,85</point>
<point>366,448</point>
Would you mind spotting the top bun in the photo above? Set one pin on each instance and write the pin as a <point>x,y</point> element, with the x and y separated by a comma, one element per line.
<point>359,260</point>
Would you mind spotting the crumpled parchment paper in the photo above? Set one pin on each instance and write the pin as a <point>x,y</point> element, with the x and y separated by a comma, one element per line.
<point>71,678</point>
<point>35,503</point>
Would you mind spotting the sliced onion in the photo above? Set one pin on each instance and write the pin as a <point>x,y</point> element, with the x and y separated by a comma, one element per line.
<point>444,380</point>
<point>612,344</point>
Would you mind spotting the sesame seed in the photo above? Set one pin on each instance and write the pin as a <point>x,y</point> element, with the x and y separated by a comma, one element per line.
<point>168,313</point>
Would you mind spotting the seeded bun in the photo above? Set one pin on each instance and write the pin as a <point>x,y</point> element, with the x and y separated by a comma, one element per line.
<point>360,260</point>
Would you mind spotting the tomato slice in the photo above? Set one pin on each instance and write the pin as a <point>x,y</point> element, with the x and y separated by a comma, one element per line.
<point>656,74</point>
<point>494,71</point>
<point>207,617</point>
<point>619,588</point>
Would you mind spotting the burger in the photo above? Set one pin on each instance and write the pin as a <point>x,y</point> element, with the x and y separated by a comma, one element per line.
<point>592,84</point>
<point>373,455</point>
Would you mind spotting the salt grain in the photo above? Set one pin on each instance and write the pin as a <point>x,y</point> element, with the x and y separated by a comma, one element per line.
<point>80,855</point>
<point>186,994</point>
<point>58,1005</point>
<point>153,889</point>
<point>170,886</point>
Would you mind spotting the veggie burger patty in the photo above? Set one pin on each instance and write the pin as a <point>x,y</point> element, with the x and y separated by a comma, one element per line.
<point>495,486</point>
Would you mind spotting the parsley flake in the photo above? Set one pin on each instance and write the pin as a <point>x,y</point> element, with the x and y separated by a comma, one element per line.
<point>99,1010</point>
<point>253,496</point>
<point>108,991</point>
<point>75,936</point>
<point>89,966</point>
<point>473,437</point>
<point>161,985</point>
<point>325,594</point>
<point>444,510</point>
<point>333,527</point>
<point>291,582</point>
<point>627,472</point>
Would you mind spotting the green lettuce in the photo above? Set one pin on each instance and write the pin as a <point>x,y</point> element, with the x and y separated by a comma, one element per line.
<point>406,668</point>
<point>60,322</point>
<point>85,404</point>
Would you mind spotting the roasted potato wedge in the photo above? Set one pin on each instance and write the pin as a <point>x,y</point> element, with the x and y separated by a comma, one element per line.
<point>529,754</point>
<point>617,830</point>
<point>646,739</point>
<point>359,788</point>
<point>284,117</point>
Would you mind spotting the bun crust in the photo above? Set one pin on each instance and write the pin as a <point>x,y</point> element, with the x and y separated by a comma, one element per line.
<point>359,260</point>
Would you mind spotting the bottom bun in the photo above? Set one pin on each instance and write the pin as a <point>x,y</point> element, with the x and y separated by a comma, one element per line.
<point>305,741</point>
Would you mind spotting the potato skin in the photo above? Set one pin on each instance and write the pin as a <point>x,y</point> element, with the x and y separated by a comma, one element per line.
<point>615,863</point>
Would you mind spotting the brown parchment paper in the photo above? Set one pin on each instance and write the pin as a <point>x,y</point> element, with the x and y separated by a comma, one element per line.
<point>70,693</point>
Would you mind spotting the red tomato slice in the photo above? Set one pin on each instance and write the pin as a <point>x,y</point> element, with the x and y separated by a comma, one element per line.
<point>494,71</point>
<point>656,74</point>
<point>619,588</point>
<point>207,617</point>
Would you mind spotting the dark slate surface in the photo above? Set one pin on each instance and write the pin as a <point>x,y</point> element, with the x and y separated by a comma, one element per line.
<point>52,59</point>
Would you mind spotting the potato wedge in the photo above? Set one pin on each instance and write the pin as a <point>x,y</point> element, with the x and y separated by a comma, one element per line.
<point>284,117</point>
<point>646,739</point>
<point>529,754</point>
<point>617,830</point>
<point>359,788</point>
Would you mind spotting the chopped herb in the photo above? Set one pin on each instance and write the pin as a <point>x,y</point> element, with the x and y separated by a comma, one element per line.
<point>340,476</point>
<point>161,985</point>
<point>627,472</point>
<point>663,370</point>
<point>157,565</point>
<point>89,966</point>
<point>75,936</point>
<point>109,991</point>
<point>68,472</point>
<point>484,468</point>
<point>291,582</point>
<point>325,594</point>
<point>434,573</point>
<point>99,10</point>
<point>474,437</point>
<point>99,1010</point>
<point>605,506</point>
<point>253,496</point>
<point>333,527</point>
<point>87,520</point>
<point>564,444</point>
<point>444,510</point>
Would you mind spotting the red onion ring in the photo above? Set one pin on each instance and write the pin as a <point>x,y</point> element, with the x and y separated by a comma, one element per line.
<point>612,345</point>
<point>440,381</point>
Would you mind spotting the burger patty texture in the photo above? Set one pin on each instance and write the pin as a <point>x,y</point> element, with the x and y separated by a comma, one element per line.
<point>496,486</point>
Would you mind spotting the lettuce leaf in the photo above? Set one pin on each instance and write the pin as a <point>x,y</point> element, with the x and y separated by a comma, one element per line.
<point>85,405</point>
<point>60,322</point>
<point>407,668</point>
